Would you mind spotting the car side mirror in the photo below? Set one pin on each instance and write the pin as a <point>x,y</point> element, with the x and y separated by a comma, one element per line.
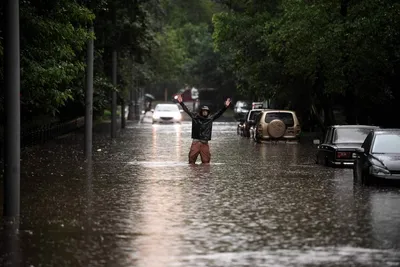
<point>152,110</point>
<point>316,142</point>
<point>360,150</point>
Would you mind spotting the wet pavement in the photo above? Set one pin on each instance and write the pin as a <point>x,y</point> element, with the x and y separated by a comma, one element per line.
<point>138,203</point>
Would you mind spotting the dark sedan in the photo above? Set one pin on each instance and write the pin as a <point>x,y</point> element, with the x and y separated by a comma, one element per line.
<point>340,144</point>
<point>378,157</point>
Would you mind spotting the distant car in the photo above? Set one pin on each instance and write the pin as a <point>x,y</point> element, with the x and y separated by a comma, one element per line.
<point>340,144</point>
<point>257,105</point>
<point>277,125</point>
<point>378,157</point>
<point>167,113</point>
<point>240,110</point>
<point>250,120</point>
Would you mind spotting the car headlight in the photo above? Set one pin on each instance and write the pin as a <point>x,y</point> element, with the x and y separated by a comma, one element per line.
<point>156,117</point>
<point>376,170</point>
<point>178,117</point>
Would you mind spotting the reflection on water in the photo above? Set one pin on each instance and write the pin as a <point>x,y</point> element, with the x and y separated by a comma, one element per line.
<point>384,212</point>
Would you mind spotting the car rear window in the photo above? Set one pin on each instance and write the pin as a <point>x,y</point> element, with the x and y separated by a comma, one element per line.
<point>286,117</point>
<point>350,135</point>
<point>386,144</point>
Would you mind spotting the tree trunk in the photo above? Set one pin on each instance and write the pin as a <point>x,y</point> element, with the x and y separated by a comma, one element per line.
<point>123,120</point>
<point>131,112</point>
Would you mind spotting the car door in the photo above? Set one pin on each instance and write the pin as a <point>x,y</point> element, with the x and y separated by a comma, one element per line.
<point>362,159</point>
<point>323,149</point>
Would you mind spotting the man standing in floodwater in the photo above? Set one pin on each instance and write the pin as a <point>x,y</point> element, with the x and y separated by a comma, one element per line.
<point>201,130</point>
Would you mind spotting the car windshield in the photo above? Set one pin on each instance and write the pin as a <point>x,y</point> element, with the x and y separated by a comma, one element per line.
<point>253,115</point>
<point>244,104</point>
<point>386,144</point>
<point>169,108</point>
<point>286,117</point>
<point>350,135</point>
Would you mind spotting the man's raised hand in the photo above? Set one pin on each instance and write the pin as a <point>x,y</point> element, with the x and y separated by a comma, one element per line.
<point>227,102</point>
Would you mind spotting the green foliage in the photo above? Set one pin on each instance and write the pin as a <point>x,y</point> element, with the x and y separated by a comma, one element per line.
<point>323,51</point>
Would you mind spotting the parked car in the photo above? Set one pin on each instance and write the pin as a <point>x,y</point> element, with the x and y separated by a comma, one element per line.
<point>250,120</point>
<point>239,129</point>
<point>340,144</point>
<point>378,157</point>
<point>274,125</point>
<point>167,113</point>
<point>252,129</point>
<point>240,110</point>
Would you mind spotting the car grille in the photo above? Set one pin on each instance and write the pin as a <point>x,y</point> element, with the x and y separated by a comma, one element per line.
<point>166,118</point>
<point>395,172</point>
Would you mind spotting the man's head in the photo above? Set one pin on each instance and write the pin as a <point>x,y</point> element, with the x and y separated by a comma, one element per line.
<point>204,111</point>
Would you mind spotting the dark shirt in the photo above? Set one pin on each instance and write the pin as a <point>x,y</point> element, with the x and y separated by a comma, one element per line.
<point>202,126</point>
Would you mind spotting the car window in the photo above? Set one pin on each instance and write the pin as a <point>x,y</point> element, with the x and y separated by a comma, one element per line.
<point>242,104</point>
<point>386,144</point>
<point>253,114</point>
<point>350,135</point>
<point>367,143</point>
<point>286,117</point>
<point>258,117</point>
<point>166,108</point>
<point>327,138</point>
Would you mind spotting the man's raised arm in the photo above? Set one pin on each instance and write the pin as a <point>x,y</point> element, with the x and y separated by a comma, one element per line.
<point>184,107</point>
<point>222,110</point>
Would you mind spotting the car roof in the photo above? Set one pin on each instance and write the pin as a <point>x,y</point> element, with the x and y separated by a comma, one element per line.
<point>354,126</point>
<point>388,130</point>
<point>279,110</point>
<point>258,109</point>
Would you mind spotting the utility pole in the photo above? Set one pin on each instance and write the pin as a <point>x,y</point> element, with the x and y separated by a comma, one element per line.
<point>114,81</point>
<point>12,152</point>
<point>89,98</point>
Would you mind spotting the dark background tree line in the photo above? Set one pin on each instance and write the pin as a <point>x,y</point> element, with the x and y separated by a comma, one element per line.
<point>331,61</point>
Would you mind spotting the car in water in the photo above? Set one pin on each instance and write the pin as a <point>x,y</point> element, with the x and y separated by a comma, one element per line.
<point>378,158</point>
<point>244,128</point>
<point>277,125</point>
<point>340,144</point>
<point>242,107</point>
<point>167,113</point>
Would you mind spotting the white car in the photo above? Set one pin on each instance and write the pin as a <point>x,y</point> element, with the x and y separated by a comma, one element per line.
<point>167,113</point>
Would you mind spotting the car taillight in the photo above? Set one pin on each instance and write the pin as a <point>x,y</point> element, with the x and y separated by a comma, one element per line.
<point>343,155</point>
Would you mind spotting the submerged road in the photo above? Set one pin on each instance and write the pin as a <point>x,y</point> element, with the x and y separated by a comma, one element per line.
<point>139,203</point>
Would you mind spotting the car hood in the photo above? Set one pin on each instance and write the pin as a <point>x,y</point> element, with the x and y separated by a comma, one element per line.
<point>391,161</point>
<point>348,146</point>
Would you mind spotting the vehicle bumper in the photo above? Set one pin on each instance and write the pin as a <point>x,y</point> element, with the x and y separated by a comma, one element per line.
<point>342,163</point>
<point>172,120</point>
<point>386,176</point>
<point>292,139</point>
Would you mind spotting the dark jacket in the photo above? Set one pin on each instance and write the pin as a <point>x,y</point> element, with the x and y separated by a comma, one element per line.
<point>202,126</point>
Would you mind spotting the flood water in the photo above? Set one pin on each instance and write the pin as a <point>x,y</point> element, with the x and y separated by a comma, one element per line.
<point>139,203</point>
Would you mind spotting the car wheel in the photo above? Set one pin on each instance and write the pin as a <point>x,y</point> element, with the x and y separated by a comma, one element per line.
<point>237,130</point>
